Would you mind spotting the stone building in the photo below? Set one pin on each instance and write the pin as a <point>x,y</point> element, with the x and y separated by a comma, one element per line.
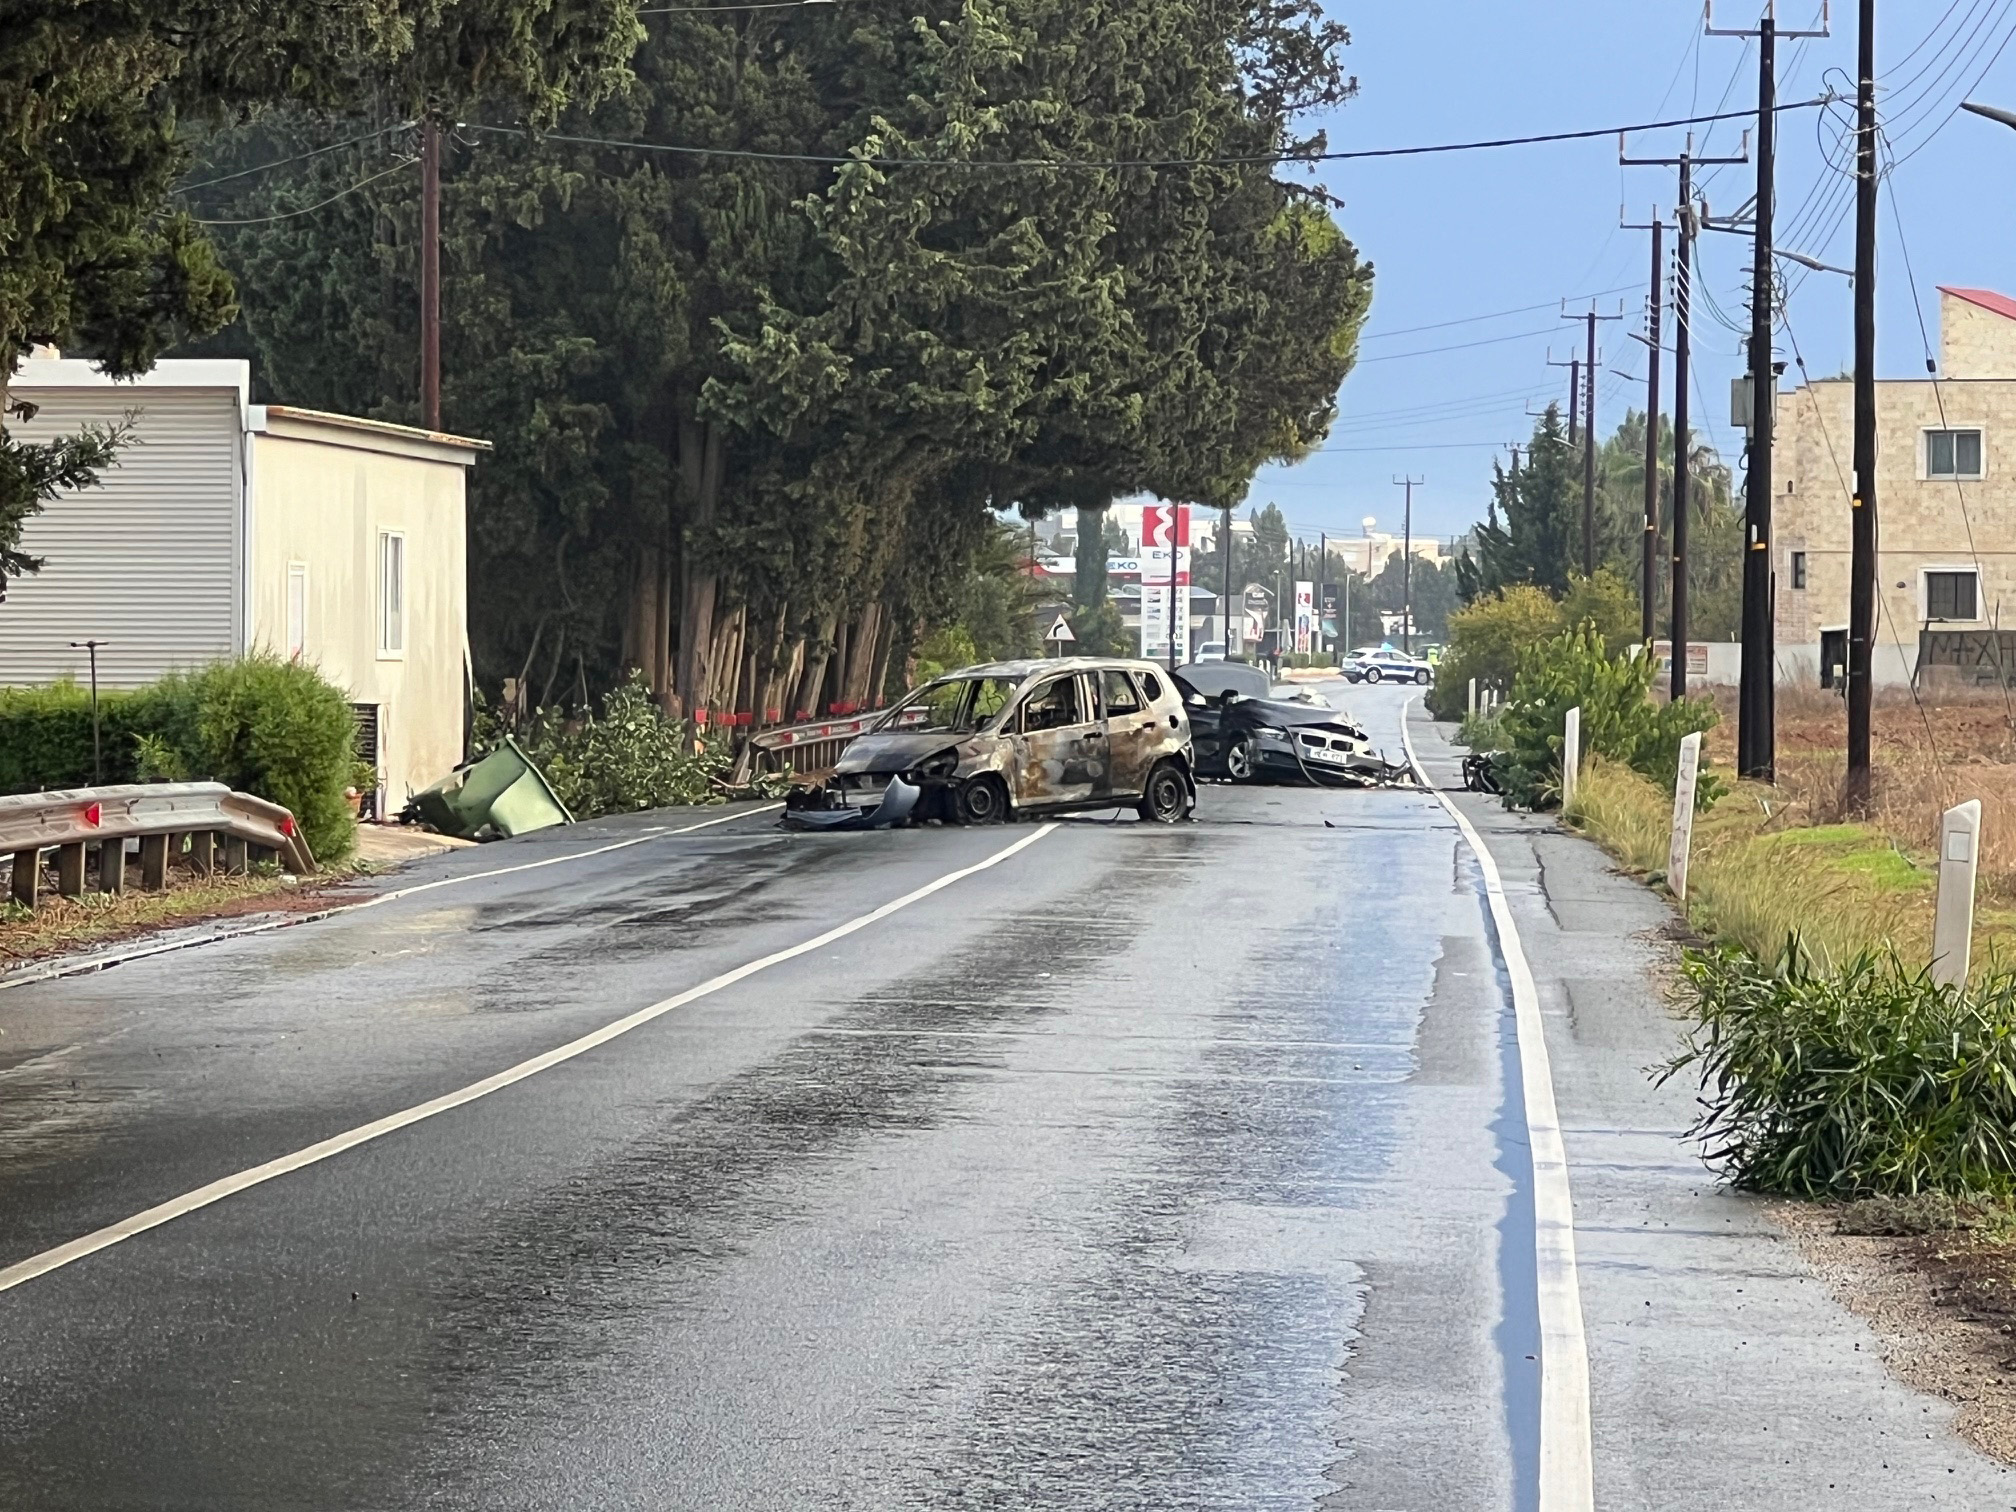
<point>1946,503</point>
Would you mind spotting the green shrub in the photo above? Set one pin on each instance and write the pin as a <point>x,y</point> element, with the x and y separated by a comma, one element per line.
<point>630,757</point>
<point>1481,732</point>
<point>1620,720</point>
<point>1864,1082</point>
<point>1487,638</point>
<point>277,729</point>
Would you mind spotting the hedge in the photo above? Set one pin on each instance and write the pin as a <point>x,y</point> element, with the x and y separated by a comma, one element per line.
<point>262,725</point>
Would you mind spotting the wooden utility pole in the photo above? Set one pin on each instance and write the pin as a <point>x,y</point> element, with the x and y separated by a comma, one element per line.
<point>1574,366</point>
<point>1756,736</point>
<point>1588,441</point>
<point>1655,355</point>
<point>1862,558</point>
<point>1407,564</point>
<point>1225,627</point>
<point>1686,218</point>
<point>430,275</point>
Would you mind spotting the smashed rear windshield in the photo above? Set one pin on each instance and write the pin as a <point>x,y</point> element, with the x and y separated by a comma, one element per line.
<point>956,705</point>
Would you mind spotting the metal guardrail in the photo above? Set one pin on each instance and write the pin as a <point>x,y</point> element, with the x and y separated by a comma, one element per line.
<point>809,747</point>
<point>171,820</point>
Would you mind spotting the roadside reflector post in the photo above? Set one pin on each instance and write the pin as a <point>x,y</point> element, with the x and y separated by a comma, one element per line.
<point>1571,755</point>
<point>1681,847</point>
<point>1959,861</point>
<point>70,869</point>
<point>1473,698</point>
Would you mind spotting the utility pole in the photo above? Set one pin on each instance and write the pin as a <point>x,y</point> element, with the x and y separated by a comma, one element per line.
<point>93,647</point>
<point>1574,366</point>
<point>1756,737</point>
<point>1648,588</point>
<point>1862,557</point>
<point>1588,443</point>
<point>430,274</point>
<point>1322,572</point>
<point>1687,222</point>
<point>1407,564</point>
<point>1225,628</point>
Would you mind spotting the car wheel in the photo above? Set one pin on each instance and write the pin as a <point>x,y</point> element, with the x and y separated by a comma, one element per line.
<point>1424,677</point>
<point>1240,764</point>
<point>981,800</point>
<point>1373,674</point>
<point>1167,798</point>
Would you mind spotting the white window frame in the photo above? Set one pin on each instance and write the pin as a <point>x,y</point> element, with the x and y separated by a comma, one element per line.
<point>296,629</point>
<point>392,595</point>
<point>1925,436</point>
<point>1925,592</point>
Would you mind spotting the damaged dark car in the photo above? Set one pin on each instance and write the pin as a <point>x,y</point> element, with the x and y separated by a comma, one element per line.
<point>1241,732</point>
<point>1015,739</point>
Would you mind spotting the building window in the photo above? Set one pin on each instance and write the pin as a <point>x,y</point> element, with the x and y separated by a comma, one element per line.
<point>297,610</point>
<point>1798,569</point>
<point>1953,454</point>
<point>1951,595</point>
<point>391,594</point>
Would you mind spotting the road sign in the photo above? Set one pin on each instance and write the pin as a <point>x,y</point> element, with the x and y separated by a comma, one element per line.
<point>1060,631</point>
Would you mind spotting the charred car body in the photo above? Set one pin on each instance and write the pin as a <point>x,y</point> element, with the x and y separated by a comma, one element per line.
<point>1242,733</point>
<point>1008,739</point>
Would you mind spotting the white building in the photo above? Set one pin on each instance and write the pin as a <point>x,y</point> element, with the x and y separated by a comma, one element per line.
<point>227,527</point>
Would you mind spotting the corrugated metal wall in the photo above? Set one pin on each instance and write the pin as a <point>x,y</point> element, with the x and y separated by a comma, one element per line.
<point>148,561</point>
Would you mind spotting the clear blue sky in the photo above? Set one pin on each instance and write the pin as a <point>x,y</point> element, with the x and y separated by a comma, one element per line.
<point>1485,232</point>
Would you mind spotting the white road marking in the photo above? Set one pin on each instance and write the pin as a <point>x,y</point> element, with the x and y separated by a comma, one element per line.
<point>1567,1480</point>
<point>63,968</point>
<point>90,1244</point>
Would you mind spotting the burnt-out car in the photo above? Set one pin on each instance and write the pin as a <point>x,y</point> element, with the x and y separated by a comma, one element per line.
<point>1009,739</point>
<point>1241,732</point>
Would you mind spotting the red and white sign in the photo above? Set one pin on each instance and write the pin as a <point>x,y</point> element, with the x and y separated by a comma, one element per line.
<point>1165,525</point>
<point>1165,580</point>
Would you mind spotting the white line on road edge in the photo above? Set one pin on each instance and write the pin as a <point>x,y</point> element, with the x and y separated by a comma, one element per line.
<point>82,966</point>
<point>217,1191</point>
<point>1567,1482</point>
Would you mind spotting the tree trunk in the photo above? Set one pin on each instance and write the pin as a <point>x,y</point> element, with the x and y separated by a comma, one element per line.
<point>861,654</point>
<point>834,693</point>
<point>700,464</point>
<point>878,683</point>
<point>805,702</point>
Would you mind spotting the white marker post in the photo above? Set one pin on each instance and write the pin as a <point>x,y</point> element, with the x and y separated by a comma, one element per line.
<point>1473,698</point>
<point>1959,861</point>
<point>1571,755</point>
<point>1682,844</point>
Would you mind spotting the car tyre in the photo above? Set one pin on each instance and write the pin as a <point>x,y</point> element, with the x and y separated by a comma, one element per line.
<point>1373,674</point>
<point>980,800</point>
<point>1241,763</point>
<point>1166,799</point>
<point>1424,677</point>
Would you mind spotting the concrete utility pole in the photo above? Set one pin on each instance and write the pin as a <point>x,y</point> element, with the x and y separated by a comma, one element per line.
<point>1756,736</point>
<point>1407,564</point>
<point>430,275</point>
<point>1687,220</point>
<point>1862,552</point>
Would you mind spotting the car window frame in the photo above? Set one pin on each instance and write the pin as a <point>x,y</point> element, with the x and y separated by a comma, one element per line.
<point>1020,710</point>
<point>1132,683</point>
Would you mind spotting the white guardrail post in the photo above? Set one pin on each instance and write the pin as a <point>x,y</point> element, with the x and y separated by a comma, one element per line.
<point>1959,861</point>
<point>1681,846</point>
<point>1571,755</point>
<point>1473,698</point>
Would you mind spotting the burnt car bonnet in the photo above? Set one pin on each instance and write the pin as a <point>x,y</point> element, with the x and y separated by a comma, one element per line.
<point>896,751</point>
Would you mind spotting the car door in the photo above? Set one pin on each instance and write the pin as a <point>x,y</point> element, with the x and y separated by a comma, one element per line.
<point>1059,743</point>
<point>1131,733</point>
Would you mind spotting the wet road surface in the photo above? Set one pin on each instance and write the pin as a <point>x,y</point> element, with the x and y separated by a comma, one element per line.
<point>1149,1168</point>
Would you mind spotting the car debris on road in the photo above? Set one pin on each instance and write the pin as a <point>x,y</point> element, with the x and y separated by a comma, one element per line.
<point>1014,739</point>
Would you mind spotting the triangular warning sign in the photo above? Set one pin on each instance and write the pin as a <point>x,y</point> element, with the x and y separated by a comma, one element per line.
<point>1060,631</point>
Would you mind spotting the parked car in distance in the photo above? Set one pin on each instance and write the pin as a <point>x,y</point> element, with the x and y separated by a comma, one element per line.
<point>1375,664</point>
<point>1211,651</point>
<point>1008,739</point>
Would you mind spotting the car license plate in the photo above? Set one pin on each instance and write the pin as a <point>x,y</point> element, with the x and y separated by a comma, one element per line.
<point>1324,753</point>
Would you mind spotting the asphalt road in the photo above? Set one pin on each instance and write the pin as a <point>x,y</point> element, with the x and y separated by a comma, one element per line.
<point>1144,1168</point>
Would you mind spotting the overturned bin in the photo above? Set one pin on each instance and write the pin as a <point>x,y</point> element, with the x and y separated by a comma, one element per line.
<point>502,795</point>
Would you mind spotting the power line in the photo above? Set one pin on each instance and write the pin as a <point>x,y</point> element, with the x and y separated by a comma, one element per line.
<point>1230,161</point>
<point>1461,346</point>
<point>672,10</point>
<point>299,157</point>
<point>260,220</point>
<point>1494,315</point>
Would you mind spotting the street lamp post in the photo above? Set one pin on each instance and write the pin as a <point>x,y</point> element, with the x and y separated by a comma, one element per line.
<point>97,749</point>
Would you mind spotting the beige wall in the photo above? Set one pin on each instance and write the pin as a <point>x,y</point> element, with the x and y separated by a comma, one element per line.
<point>322,495</point>
<point>1923,523</point>
<point>1974,342</point>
